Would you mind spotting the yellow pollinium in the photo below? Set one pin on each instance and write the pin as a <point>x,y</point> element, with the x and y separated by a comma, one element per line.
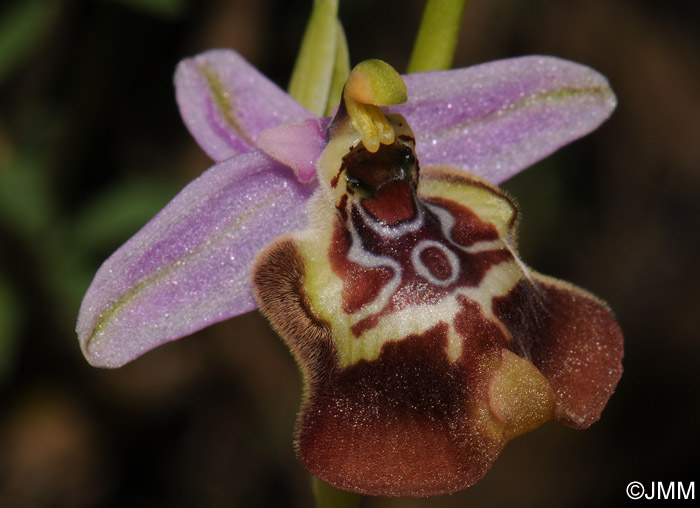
<point>371,84</point>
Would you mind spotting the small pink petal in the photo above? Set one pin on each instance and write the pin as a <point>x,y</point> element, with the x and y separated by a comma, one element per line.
<point>297,145</point>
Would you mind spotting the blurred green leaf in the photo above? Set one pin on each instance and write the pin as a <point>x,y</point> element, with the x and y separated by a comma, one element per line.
<point>65,269</point>
<point>327,496</point>
<point>10,316</point>
<point>70,249</point>
<point>168,8</point>
<point>120,211</point>
<point>21,29</point>
<point>25,196</point>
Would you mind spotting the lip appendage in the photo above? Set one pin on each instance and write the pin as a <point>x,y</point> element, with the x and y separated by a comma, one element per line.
<point>425,343</point>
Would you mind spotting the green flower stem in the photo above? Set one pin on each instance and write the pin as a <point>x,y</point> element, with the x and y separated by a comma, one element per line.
<point>437,36</point>
<point>311,77</point>
<point>341,70</point>
<point>330,497</point>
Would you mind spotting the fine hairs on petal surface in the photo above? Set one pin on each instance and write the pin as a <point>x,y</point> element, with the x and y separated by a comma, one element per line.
<point>189,266</point>
<point>497,118</point>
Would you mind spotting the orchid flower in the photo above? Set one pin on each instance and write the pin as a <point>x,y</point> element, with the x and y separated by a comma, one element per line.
<point>380,249</point>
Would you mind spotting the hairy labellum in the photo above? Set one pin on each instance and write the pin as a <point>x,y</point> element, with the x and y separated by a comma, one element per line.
<point>425,343</point>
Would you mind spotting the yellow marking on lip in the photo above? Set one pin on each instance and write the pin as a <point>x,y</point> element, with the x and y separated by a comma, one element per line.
<point>418,319</point>
<point>520,397</point>
<point>325,288</point>
<point>486,203</point>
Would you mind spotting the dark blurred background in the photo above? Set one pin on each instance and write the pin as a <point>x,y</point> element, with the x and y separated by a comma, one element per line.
<point>91,146</point>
